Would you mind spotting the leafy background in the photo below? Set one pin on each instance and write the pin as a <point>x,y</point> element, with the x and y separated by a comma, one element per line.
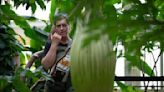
<point>137,25</point>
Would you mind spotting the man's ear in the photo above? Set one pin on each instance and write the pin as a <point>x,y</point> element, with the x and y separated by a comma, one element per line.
<point>69,28</point>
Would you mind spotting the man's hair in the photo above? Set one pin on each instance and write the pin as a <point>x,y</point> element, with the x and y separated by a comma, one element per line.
<point>60,16</point>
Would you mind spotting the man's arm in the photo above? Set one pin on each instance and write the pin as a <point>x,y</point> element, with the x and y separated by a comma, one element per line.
<point>49,59</point>
<point>17,59</point>
<point>35,56</point>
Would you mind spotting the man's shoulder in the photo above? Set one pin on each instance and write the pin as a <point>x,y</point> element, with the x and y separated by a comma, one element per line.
<point>69,41</point>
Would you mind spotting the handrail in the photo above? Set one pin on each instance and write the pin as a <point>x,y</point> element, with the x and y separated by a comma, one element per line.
<point>139,78</point>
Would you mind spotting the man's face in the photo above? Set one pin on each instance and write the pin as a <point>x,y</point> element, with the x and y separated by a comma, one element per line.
<point>62,27</point>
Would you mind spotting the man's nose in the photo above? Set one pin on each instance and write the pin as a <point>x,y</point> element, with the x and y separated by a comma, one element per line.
<point>61,27</point>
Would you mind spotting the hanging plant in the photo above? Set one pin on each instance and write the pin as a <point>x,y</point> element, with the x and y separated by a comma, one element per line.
<point>93,65</point>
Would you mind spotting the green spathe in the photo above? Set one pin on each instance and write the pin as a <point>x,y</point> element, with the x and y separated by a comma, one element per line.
<point>92,66</point>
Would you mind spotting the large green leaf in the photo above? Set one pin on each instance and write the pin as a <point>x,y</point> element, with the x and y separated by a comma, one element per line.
<point>2,44</point>
<point>33,7</point>
<point>5,14</point>
<point>19,85</point>
<point>37,45</point>
<point>5,84</point>
<point>159,4</point>
<point>30,18</point>
<point>48,28</point>
<point>22,59</point>
<point>52,11</point>
<point>41,4</point>
<point>140,64</point>
<point>21,22</point>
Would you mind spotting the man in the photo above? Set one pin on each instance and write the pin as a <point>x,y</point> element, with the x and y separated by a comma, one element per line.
<point>57,58</point>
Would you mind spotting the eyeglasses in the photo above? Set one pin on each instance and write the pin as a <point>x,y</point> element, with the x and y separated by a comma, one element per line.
<point>61,25</point>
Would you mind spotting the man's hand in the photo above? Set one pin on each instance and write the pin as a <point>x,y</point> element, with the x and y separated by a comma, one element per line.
<point>55,38</point>
<point>37,54</point>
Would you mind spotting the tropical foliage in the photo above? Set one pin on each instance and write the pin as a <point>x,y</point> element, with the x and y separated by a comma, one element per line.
<point>136,24</point>
<point>10,79</point>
